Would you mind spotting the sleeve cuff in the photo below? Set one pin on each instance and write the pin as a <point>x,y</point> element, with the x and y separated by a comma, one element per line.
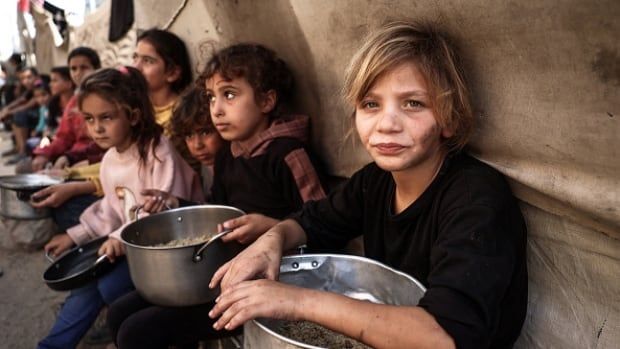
<point>78,234</point>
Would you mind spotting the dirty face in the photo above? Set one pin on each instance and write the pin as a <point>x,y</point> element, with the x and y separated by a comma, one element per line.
<point>396,123</point>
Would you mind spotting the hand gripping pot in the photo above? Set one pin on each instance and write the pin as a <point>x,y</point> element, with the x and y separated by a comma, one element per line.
<point>179,275</point>
<point>352,276</point>
<point>15,192</point>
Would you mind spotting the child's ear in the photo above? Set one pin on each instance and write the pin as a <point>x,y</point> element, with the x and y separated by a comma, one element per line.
<point>173,74</point>
<point>268,101</point>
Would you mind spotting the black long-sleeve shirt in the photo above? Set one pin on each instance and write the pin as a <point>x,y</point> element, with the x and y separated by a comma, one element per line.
<point>464,238</point>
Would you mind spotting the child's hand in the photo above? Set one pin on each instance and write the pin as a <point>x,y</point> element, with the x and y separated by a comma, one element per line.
<point>158,201</point>
<point>59,244</point>
<point>52,196</point>
<point>61,162</point>
<point>38,163</point>
<point>112,248</point>
<point>247,228</point>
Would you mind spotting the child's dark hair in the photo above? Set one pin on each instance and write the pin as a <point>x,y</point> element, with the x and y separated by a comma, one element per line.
<point>33,70</point>
<point>174,53</point>
<point>191,114</point>
<point>62,71</point>
<point>87,52</point>
<point>127,88</point>
<point>260,66</point>
<point>42,85</point>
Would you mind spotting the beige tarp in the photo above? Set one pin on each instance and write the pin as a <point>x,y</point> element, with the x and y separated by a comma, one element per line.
<point>546,82</point>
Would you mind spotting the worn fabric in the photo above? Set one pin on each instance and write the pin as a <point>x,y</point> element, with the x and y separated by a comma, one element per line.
<point>136,323</point>
<point>274,176</point>
<point>164,170</point>
<point>463,238</point>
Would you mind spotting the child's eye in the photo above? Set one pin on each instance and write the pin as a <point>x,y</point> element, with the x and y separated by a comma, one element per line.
<point>210,98</point>
<point>414,104</point>
<point>229,95</point>
<point>369,104</point>
<point>88,119</point>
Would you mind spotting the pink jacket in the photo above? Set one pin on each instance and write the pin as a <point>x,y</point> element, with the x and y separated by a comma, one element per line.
<point>169,173</point>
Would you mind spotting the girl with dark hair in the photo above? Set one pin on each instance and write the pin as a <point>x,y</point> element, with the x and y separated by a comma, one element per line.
<point>62,88</point>
<point>72,143</point>
<point>162,58</point>
<point>120,118</point>
<point>267,170</point>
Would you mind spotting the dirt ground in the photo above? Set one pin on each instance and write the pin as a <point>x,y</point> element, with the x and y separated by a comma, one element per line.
<point>27,306</point>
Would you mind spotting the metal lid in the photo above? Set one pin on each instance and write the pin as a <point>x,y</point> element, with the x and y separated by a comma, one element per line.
<point>28,181</point>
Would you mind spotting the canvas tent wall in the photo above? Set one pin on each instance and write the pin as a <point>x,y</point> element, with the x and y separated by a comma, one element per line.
<point>546,78</point>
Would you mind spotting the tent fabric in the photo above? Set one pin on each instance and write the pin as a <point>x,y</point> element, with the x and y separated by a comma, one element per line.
<point>546,92</point>
<point>95,29</point>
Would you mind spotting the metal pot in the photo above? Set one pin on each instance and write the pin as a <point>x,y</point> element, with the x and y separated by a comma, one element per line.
<point>15,192</point>
<point>178,276</point>
<point>356,277</point>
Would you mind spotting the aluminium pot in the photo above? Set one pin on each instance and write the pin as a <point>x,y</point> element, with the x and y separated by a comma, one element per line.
<point>180,275</point>
<point>356,277</point>
<point>15,192</point>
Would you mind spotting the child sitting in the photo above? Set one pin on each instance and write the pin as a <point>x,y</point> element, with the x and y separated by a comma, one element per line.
<point>266,170</point>
<point>120,118</point>
<point>422,206</point>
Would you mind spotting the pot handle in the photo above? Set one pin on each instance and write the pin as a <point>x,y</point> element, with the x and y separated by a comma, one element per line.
<point>100,260</point>
<point>48,257</point>
<point>198,254</point>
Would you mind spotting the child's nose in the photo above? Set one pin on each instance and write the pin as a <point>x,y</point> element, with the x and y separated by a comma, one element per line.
<point>389,121</point>
<point>216,108</point>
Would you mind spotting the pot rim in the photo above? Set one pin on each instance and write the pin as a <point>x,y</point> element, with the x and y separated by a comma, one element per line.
<point>323,255</point>
<point>35,186</point>
<point>179,209</point>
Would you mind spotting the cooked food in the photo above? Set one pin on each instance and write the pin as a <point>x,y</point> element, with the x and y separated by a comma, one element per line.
<point>188,241</point>
<point>310,333</point>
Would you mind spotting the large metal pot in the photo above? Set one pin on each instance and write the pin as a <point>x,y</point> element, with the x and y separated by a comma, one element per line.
<point>356,277</point>
<point>178,276</point>
<point>15,192</point>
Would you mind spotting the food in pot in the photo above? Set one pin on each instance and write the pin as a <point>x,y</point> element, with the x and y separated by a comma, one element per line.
<point>194,240</point>
<point>310,333</point>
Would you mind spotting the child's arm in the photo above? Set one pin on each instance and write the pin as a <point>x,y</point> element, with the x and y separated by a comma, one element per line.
<point>247,228</point>
<point>56,195</point>
<point>58,244</point>
<point>378,325</point>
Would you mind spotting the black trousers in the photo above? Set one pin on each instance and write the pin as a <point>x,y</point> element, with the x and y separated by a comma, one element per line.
<point>136,323</point>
